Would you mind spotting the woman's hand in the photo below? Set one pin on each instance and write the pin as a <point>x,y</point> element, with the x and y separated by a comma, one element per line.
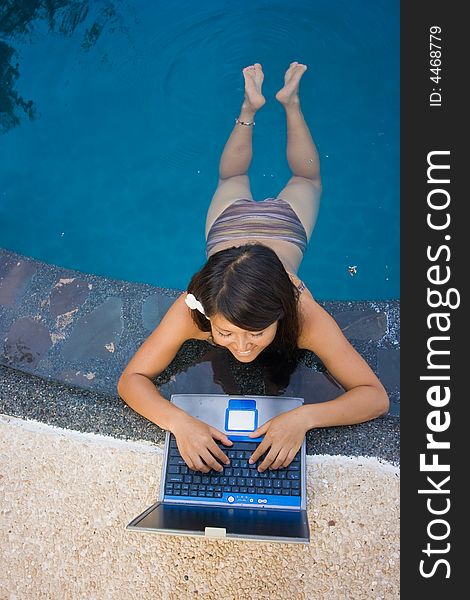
<point>284,434</point>
<point>195,441</point>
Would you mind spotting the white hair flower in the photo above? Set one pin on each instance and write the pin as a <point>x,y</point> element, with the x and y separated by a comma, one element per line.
<point>194,304</point>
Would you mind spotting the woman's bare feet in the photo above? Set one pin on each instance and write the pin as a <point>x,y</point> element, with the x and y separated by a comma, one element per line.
<point>254,76</point>
<point>289,94</point>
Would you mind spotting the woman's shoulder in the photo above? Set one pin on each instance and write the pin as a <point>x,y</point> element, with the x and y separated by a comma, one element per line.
<point>317,326</point>
<point>300,285</point>
<point>181,313</point>
<point>308,308</point>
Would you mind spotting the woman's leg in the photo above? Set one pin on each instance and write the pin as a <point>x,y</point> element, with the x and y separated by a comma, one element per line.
<point>236,157</point>
<point>303,190</point>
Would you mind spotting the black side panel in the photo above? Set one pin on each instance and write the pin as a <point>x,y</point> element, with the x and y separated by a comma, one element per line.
<point>283,525</point>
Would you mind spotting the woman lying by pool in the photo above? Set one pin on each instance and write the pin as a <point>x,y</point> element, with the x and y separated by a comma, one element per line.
<point>247,297</point>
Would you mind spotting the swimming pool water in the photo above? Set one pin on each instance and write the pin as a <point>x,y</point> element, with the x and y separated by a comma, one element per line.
<point>131,105</point>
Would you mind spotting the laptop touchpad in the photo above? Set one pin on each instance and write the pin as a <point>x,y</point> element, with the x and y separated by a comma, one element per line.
<point>241,420</point>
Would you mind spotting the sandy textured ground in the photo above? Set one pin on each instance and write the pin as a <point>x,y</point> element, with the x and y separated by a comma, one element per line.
<point>67,497</point>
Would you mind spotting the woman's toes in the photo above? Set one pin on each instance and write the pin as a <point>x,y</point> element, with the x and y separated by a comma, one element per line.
<point>253,82</point>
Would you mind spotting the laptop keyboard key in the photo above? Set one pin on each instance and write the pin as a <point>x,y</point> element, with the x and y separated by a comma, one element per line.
<point>239,476</point>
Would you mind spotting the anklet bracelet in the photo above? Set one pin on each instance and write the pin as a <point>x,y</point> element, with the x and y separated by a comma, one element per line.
<point>237,120</point>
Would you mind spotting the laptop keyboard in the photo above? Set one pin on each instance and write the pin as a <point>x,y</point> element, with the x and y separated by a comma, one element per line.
<point>238,476</point>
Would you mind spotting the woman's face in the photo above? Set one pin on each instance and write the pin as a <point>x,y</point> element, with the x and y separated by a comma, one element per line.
<point>244,345</point>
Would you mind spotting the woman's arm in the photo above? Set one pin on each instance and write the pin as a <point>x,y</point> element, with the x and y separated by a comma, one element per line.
<point>365,397</point>
<point>135,384</point>
<point>194,438</point>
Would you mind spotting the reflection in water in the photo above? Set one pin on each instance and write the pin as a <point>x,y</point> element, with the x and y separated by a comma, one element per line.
<point>268,374</point>
<point>216,371</point>
<point>17,21</point>
<point>10,100</point>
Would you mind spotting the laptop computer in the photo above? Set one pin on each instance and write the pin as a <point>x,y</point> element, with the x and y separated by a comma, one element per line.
<point>240,502</point>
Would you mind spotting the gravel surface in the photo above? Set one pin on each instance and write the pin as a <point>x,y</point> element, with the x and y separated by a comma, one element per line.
<point>31,397</point>
<point>67,497</point>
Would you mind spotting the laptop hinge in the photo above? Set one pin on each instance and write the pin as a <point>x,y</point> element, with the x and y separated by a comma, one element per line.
<point>217,532</point>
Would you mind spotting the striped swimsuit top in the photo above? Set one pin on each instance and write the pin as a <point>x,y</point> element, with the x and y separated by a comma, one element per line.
<point>268,219</point>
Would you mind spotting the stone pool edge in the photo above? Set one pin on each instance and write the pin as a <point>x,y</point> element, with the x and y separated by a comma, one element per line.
<point>49,299</point>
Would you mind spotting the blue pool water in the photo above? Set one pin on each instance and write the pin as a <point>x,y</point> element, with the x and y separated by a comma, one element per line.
<point>114,115</point>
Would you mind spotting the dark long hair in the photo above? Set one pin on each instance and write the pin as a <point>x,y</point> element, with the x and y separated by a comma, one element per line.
<point>249,286</point>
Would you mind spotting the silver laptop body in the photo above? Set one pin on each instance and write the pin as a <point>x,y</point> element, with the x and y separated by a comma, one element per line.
<point>238,516</point>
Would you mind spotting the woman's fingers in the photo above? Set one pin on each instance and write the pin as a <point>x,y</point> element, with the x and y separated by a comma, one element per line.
<point>289,458</point>
<point>218,435</point>
<point>260,450</point>
<point>218,453</point>
<point>204,459</point>
<point>188,460</point>
<point>270,458</point>
<point>280,459</point>
<point>211,461</point>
